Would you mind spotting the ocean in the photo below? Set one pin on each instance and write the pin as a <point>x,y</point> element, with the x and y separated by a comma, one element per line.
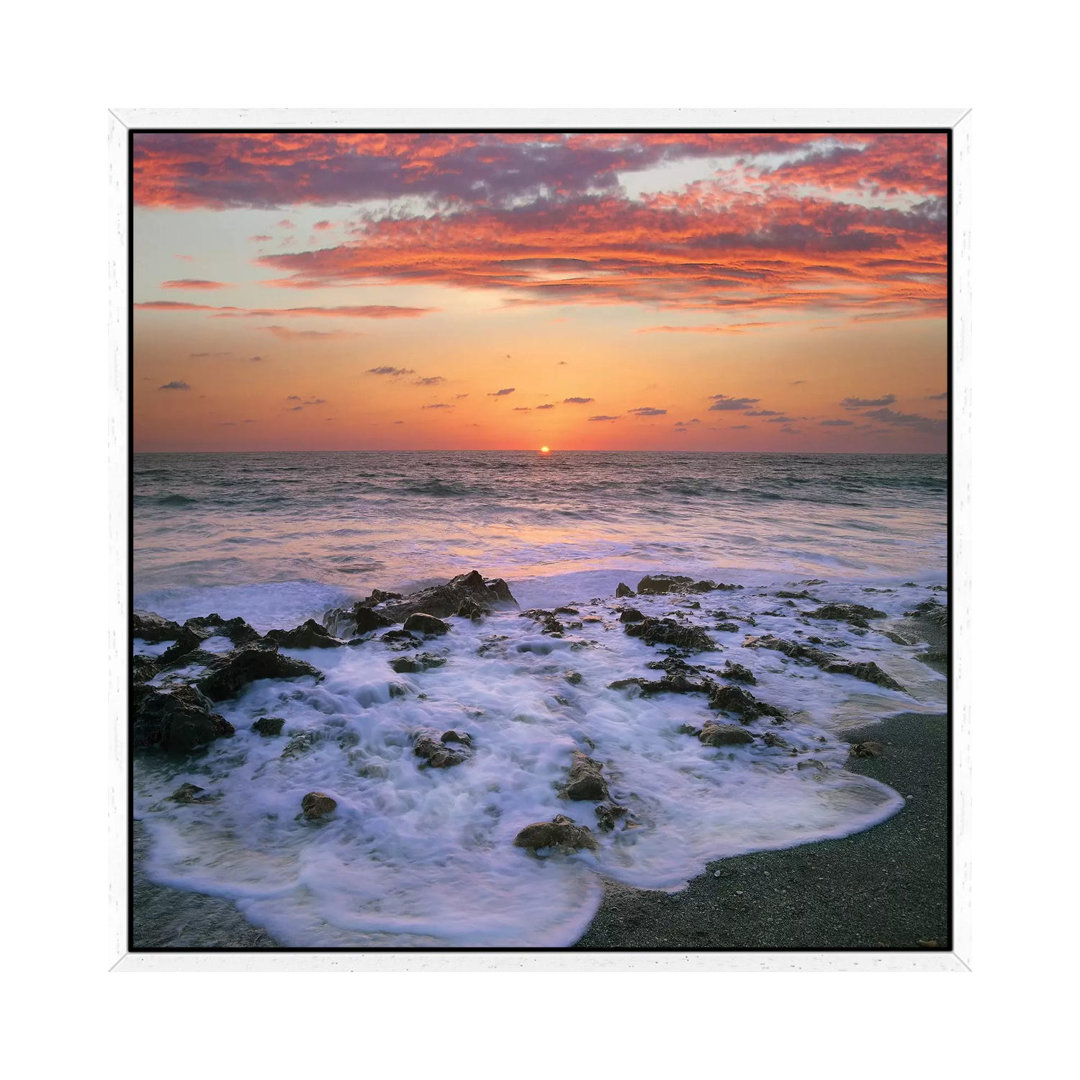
<point>425,857</point>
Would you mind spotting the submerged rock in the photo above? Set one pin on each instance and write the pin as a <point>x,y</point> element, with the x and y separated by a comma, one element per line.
<point>300,744</point>
<point>560,833</point>
<point>549,621</point>
<point>608,814</point>
<point>268,725</point>
<point>724,735</point>
<point>738,673</point>
<point>669,632</point>
<point>308,635</point>
<point>856,614</point>
<point>191,793</point>
<point>411,665</point>
<point>177,720</point>
<point>868,671</point>
<point>869,749</point>
<point>420,622</point>
<point>586,780</point>
<point>317,804</point>
<point>246,665</point>
<point>734,699</point>
<point>442,751</point>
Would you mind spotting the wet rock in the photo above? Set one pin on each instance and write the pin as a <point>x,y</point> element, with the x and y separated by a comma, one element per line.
<point>308,635</point>
<point>586,780</point>
<point>669,632</point>
<point>150,627</point>
<point>856,614</point>
<point>379,596</point>
<point>631,614</point>
<point>548,620</point>
<point>191,793</point>
<point>811,763</point>
<point>738,673</point>
<point>784,594</point>
<point>441,751</point>
<point>420,622</point>
<point>560,833</point>
<point>623,590</point>
<point>932,611</point>
<point>869,749</point>
<point>689,729</point>
<point>317,804</point>
<point>445,600</point>
<point>573,677</point>
<point>677,683</point>
<point>726,627</point>
<point>662,584</point>
<point>365,620</point>
<point>608,814</point>
<point>411,665</point>
<point>246,666</point>
<point>143,668</point>
<point>470,609</point>
<point>268,725</point>
<point>828,662</point>
<point>176,721</point>
<point>938,659</point>
<point>625,684</point>
<point>399,639</point>
<point>734,699</point>
<point>724,735</point>
<point>868,671</point>
<point>771,739</point>
<point>236,630</point>
<point>300,744</point>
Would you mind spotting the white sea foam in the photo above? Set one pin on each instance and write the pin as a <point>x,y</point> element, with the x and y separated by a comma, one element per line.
<point>419,856</point>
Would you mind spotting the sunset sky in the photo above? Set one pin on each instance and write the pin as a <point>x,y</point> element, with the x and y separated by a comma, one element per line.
<point>506,291</point>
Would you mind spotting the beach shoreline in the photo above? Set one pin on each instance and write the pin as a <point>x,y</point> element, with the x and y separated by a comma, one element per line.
<point>884,888</point>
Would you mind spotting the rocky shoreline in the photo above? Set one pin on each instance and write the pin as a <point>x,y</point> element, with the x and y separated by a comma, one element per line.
<point>877,889</point>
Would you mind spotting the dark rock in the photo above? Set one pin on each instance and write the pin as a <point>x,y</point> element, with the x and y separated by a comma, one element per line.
<point>399,639</point>
<point>560,833</point>
<point>586,780</point>
<point>726,627</point>
<point>420,622</point>
<point>856,614</point>
<point>938,659</point>
<point>317,804</point>
<point>191,793</point>
<point>573,677</point>
<point>452,736</point>
<point>246,665</point>
<point>724,735</point>
<point>143,668</point>
<point>734,699</point>
<point>437,754</point>
<point>771,739</point>
<point>150,627</point>
<point>236,630</point>
<point>188,641</point>
<point>366,620</point>
<point>631,614</point>
<point>175,721</point>
<point>269,725</point>
<point>738,673</point>
<point>607,814</point>
<point>623,590</point>
<point>550,624</point>
<point>931,610</point>
<point>868,671</point>
<point>689,729</point>
<point>445,600</point>
<point>625,684</point>
<point>867,749</point>
<point>378,596</point>
<point>309,635</point>
<point>668,632</point>
<point>783,594</point>
<point>661,584</point>
<point>410,665</point>
<point>470,609</point>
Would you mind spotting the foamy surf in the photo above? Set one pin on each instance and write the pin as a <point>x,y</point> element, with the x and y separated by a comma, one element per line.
<point>425,857</point>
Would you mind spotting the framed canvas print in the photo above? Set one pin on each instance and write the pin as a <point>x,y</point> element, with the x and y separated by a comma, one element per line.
<point>539,539</point>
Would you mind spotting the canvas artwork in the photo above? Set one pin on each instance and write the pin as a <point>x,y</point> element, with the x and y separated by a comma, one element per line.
<point>540,540</point>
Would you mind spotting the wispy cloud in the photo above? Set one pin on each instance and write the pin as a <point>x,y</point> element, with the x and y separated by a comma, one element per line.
<point>194,284</point>
<point>724,403</point>
<point>502,393</point>
<point>868,403</point>
<point>176,384</point>
<point>577,400</point>
<point>647,410</point>
<point>387,370</point>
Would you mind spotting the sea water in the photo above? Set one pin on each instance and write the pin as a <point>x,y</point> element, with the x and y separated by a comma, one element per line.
<point>425,857</point>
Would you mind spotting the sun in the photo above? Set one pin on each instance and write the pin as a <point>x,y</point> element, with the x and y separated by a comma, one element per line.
<point>545,449</point>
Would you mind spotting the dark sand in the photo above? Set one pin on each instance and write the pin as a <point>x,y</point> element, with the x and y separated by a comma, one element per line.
<point>883,888</point>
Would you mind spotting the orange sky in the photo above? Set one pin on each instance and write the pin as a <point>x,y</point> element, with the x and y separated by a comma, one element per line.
<point>706,292</point>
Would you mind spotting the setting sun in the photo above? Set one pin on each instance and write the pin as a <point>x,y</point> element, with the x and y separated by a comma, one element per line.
<point>545,449</point>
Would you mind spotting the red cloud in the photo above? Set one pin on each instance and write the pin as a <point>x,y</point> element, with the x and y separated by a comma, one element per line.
<point>364,311</point>
<point>194,283</point>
